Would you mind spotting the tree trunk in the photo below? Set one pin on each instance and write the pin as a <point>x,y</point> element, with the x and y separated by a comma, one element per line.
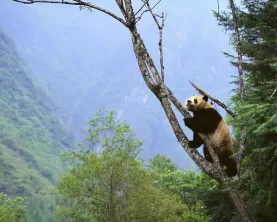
<point>241,206</point>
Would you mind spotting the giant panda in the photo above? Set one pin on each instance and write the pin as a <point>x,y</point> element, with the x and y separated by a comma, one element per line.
<point>207,121</point>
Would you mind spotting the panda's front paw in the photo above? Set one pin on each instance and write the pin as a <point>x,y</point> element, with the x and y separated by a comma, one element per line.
<point>187,121</point>
<point>192,144</point>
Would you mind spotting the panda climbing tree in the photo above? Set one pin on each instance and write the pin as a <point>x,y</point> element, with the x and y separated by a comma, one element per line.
<point>208,121</point>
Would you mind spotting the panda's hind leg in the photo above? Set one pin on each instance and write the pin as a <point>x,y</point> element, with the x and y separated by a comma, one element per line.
<point>207,154</point>
<point>229,163</point>
<point>196,142</point>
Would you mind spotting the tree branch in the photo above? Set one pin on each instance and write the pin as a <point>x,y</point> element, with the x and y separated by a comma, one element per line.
<point>78,3</point>
<point>213,99</point>
<point>144,3</point>
<point>161,47</point>
<point>160,27</point>
<point>151,11</point>
<point>217,8</point>
<point>175,102</point>
<point>121,7</point>
<point>274,92</point>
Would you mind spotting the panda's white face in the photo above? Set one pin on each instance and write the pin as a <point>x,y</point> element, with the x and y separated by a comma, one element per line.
<point>196,102</point>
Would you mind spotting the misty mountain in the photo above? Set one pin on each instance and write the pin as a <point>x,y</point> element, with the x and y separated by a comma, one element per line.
<point>32,137</point>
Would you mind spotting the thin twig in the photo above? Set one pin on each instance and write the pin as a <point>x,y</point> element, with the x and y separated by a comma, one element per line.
<point>274,92</point>
<point>144,3</point>
<point>214,100</point>
<point>160,27</point>
<point>151,11</point>
<point>147,10</point>
<point>75,3</point>
<point>217,8</point>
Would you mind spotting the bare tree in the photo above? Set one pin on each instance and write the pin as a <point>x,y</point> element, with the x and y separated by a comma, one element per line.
<point>154,79</point>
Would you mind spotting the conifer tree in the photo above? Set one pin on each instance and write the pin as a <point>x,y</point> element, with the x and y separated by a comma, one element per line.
<point>257,21</point>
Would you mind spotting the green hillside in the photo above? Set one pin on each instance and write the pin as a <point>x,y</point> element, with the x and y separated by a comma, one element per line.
<point>31,135</point>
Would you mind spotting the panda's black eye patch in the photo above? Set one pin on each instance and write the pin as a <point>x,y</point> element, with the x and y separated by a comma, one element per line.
<point>195,101</point>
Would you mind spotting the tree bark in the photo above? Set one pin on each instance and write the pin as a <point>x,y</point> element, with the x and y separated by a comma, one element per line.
<point>241,206</point>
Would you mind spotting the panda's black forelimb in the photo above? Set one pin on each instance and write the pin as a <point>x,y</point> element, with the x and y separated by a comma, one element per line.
<point>196,142</point>
<point>204,121</point>
<point>190,123</point>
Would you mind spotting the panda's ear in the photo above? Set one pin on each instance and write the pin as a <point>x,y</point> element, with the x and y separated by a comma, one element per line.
<point>205,98</point>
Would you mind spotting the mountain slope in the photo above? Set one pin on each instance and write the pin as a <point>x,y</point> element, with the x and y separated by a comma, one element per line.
<point>31,136</point>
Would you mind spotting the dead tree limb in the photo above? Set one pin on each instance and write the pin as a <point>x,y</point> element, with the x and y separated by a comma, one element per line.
<point>76,3</point>
<point>160,27</point>
<point>213,99</point>
<point>153,80</point>
<point>241,80</point>
<point>161,46</point>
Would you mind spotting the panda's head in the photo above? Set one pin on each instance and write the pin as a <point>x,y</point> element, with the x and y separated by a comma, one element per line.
<point>195,103</point>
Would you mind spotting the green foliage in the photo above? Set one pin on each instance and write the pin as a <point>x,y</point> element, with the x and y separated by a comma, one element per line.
<point>204,198</point>
<point>189,186</point>
<point>10,210</point>
<point>31,136</point>
<point>162,164</point>
<point>109,182</point>
<point>40,208</point>
<point>257,110</point>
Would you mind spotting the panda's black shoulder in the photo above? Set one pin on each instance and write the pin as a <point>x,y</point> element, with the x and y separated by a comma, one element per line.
<point>212,114</point>
<point>207,120</point>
